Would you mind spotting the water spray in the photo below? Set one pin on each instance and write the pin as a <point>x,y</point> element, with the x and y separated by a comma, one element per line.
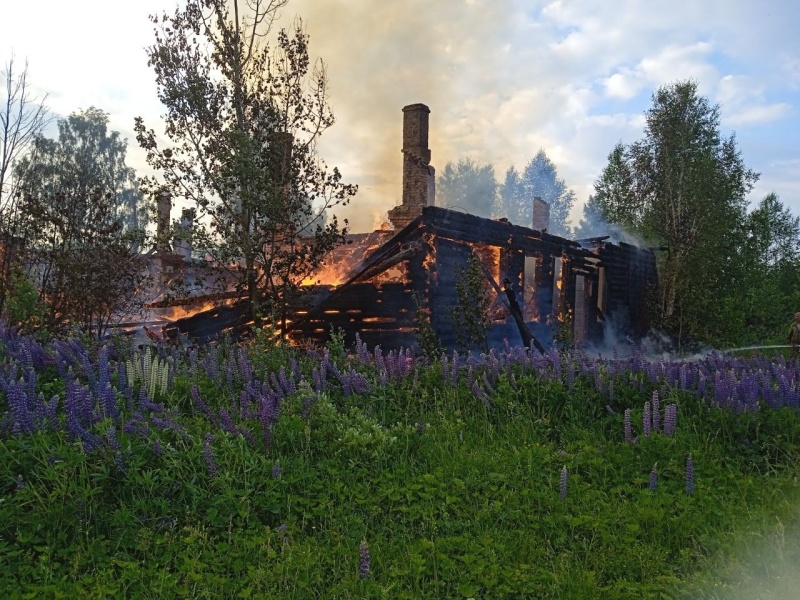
<point>757,348</point>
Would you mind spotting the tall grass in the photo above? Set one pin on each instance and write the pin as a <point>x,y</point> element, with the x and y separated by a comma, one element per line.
<point>246,472</point>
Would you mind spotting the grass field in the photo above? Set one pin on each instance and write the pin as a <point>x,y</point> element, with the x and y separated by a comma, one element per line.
<point>266,472</point>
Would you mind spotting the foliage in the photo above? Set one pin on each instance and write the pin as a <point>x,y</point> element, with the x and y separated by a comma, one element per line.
<point>23,117</point>
<point>771,256</point>
<point>470,314</point>
<point>74,196</point>
<point>243,118</point>
<point>683,186</point>
<point>384,476</point>
<point>468,186</point>
<point>84,266</point>
<point>539,178</point>
<point>84,157</point>
<point>427,340</point>
<point>22,306</point>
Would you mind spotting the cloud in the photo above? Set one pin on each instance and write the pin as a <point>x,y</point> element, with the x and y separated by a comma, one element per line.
<point>502,77</point>
<point>760,114</point>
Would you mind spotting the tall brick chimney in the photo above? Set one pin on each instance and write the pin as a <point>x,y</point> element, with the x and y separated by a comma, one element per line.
<point>163,209</point>
<point>541,214</point>
<point>183,240</point>
<point>418,175</point>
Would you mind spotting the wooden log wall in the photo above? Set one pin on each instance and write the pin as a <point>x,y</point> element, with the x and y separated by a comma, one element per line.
<point>631,278</point>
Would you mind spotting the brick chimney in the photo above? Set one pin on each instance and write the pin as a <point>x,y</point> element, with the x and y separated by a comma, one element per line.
<point>183,241</point>
<point>418,175</point>
<point>541,214</point>
<point>163,208</point>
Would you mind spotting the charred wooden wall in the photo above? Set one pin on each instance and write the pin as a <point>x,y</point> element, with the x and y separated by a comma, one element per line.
<point>632,281</point>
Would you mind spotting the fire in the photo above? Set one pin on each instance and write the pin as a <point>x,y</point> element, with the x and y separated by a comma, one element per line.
<point>173,313</point>
<point>333,275</point>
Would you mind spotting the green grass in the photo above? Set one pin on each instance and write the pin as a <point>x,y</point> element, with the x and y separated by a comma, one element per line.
<point>466,505</point>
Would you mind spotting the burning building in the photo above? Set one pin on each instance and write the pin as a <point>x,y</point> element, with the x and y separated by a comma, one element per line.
<point>380,284</point>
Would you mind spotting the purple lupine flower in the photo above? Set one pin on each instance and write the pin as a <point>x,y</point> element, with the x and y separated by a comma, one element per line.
<point>481,395</point>
<point>391,365</point>
<point>208,455</point>
<point>670,419</point>
<point>627,425</point>
<point>282,530</point>
<point>364,567</point>
<point>445,367</point>
<point>562,486</point>
<point>201,405</point>
<point>18,407</point>
<point>227,422</point>
<point>158,448</point>
<point>136,425</point>
<point>319,385</point>
<point>610,410</point>
<point>244,405</point>
<point>647,422</point>
<point>120,464</point>
<point>276,470</point>
<point>50,410</point>
<point>689,475</point>
<point>653,480</point>
<point>656,412</point>
<point>111,439</point>
<point>168,422</point>
<point>298,374</point>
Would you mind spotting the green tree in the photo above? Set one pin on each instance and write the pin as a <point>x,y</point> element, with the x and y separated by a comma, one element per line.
<point>243,118</point>
<point>83,263</point>
<point>539,178</point>
<point>614,194</point>
<point>683,186</point>
<point>772,254</point>
<point>470,314</point>
<point>84,157</point>
<point>469,186</point>
<point>23,116</point>
<point>593,221</point>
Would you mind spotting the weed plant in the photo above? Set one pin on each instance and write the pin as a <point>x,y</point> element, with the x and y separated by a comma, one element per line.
<point>257,471</point>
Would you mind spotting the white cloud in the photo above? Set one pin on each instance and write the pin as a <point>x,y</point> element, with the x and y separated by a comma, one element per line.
<point>502,78</point>
<point>760,114</point>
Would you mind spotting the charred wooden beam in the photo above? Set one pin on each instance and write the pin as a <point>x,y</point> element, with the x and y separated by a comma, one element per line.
<point>510,302</point>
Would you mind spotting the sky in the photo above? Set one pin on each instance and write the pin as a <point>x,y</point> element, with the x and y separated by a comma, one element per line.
<point>502,78</point>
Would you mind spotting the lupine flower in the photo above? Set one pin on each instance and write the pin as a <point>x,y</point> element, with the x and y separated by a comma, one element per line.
<point>656,412</point>
<point>627,425</point>
<point>689,475</point>
<point>276,470</point>
<point>283,532</point>
<point>562,488</point>
<point>646,420</point>
<point>111,438</point>
<point>158,448</point>
<point>208,454</point>
<point>653,480</point>
<point>119,462</point>
<point>420,427</point>
<point>670,419</point>
<point>364,567</point>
